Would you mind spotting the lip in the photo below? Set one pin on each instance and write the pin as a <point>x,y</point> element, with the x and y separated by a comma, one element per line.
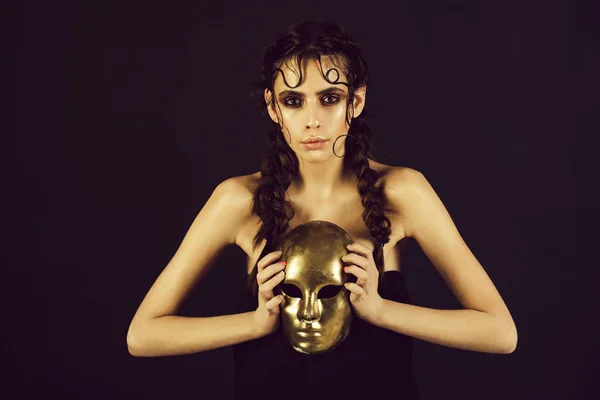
<point>312,139</point>
<point>314,145</point>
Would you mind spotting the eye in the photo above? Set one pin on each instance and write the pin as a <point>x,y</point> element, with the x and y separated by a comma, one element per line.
<point>295,102</point>
<point>329,291</point>
<point>332,99</point>
<point>290,102</point>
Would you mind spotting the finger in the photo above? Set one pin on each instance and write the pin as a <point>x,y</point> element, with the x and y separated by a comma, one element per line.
<point>269,271</point>
<point>268,259</point>
<point>273,303</point>
<point>356,259</point>
<point>268,286</point>
<point>356,271</point>
<point>361,250</point>
<point>354,288</point>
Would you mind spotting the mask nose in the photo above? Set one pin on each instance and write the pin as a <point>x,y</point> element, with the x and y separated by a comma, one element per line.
<point>309,308</point>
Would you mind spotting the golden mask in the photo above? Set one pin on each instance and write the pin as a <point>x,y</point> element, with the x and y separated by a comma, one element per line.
<point>316,313</point>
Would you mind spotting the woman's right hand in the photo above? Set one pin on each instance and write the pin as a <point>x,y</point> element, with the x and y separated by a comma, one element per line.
<point>269,275</point>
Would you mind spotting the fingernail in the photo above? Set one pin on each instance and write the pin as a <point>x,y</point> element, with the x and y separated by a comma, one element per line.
<point>283,263</point>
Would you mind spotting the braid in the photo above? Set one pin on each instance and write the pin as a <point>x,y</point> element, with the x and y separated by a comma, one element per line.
<point>269,203</point>
<point>357,158</point>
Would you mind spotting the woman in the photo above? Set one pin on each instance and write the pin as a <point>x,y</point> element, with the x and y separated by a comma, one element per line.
<point>314,85</point>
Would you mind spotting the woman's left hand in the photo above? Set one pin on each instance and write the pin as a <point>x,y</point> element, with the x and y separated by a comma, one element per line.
<point>365,299</point>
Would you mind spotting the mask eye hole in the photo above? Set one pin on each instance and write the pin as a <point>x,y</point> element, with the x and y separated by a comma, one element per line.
<point>291,290</point>
<point>329,291</point>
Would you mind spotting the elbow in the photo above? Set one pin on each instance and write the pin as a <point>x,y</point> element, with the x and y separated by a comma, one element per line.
<point>511,341</point>
<point>133,343</point>
<point>133,350</point>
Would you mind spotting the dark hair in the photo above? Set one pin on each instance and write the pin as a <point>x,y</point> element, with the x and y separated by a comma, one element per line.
<point>309,39</point>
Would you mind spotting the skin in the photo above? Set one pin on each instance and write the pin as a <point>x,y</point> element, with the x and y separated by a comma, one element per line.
<point>310,112</point>
<point>308,115</point>
<point>484,323</point>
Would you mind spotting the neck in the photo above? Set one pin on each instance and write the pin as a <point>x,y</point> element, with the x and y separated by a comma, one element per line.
<point>322,180</point>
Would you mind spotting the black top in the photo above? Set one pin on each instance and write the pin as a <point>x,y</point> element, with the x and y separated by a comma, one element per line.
<point>370,362</point>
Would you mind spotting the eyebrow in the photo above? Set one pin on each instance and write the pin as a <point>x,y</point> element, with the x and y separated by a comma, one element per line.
<point>300,94</point>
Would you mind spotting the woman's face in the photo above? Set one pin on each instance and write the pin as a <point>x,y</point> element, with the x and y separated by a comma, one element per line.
<point>316,108</point>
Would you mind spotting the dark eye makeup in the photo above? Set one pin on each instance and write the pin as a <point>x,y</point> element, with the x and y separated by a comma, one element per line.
<point>295,102</point>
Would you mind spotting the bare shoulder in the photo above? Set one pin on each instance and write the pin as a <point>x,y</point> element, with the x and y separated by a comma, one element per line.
<point>236,187</point>
<point>403,176</point>
<point>241,191</point>
<point>395,178</point>
<point>402,186</point>
<point>411,195</point>
<point>238,192</point>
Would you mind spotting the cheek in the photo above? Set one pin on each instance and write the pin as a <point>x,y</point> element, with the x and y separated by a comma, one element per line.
<point>340,114</point>
<point>338,121</point>
<point>292,122</point>
<point>332,117</point>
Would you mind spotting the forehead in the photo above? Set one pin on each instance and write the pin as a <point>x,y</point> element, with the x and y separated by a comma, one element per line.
<point>313,73</point>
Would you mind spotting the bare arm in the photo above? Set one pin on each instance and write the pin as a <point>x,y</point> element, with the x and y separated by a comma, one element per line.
<point>156,330</point>
<point>176,335</point>
<point>461,329</point>
<point>485,324</point>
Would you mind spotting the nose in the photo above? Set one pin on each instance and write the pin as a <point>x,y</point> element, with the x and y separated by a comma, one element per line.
<point>309,308</point>
<point>313,123</point>
<point>313,119</point>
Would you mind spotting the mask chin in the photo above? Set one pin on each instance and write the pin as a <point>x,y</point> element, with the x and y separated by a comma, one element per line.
<point>316,313</point>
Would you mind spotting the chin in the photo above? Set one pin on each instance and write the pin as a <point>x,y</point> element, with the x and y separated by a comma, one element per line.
<point>314,157</point>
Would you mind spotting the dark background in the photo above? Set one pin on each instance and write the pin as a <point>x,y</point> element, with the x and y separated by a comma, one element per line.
<point>123,117</point>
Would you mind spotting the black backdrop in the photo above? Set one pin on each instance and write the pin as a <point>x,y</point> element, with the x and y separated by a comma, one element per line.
<point>123,117</point>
